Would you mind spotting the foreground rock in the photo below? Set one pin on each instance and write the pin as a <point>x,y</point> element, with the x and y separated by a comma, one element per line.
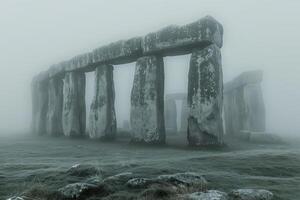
<point>205,97</point>
<point>102,117</point>
<point>74,104</point>
<point>179,181</point>
<point>18,198</point>
<point>78,190</point>
<point>84,171</point>
<point>147,101</point>
<point>208,195</point>
<point>250,194</point>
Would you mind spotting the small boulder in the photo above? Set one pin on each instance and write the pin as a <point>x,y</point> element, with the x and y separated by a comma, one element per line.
<point>186,179</point>
<point>77,190</point>
<point>208,195</point>
<point>250,194</point>
<point>84,170</point>
<point>139,182</point>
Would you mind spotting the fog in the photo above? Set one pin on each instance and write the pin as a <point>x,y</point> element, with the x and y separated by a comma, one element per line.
<point>261,34</point>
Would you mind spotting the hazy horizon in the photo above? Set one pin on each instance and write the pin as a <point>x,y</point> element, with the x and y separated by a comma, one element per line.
<point>257,35</point>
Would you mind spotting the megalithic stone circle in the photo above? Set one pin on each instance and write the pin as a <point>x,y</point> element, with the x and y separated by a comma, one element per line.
<point>147,101</point>
<point>74,113</point>
<point>55,104</point>
<point>102,117</point>
<point>202,38</point>
<point>205,97</point>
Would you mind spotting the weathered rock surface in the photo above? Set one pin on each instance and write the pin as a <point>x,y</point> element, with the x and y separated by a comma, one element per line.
<point>250,194</point>
<point>84,170</point>
<point>147,101</point>
<point>55,106</point>
<point>18,198</point>
<point>39,106</point>
<point>243,104</point>
<point>178,181</point>
<point>171,115</point>
<point>208,195</point>
<point>174,40</point>
<point>77,190</point>
<point>74,104</point>
<point>102,117</point>
<point>205,97</point>
<point>187,179</point>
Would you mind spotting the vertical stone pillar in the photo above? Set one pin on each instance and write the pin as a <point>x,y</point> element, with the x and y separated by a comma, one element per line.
<point>55,106</point>
<point>254,108</point>
<point>205,97</point>
<point>184,116</point>
<point>74,104</point>
<point>171,115</point>
<point>147,101</point>
<point>39,106</point>
<point>102,117</point>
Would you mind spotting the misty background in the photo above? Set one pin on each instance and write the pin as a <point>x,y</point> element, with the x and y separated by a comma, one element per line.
<point>261,34</point>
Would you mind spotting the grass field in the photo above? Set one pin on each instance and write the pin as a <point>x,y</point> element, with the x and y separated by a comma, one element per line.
<point>29,161</point>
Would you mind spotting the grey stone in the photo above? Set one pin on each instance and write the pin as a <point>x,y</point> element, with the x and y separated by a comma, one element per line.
<point>208,195</point>
<point>120,52</point>
<point>174,40</point>
<point>55,105</point>
<point>39,90</point>
<point>250,194</point>
<point>147,101</point>
<point>184,115</point>
<point>77,190</point>
<point>84,170</point>
<point>205,97</point>
<point>186,179</point>
<point>139,182</point>
<point>244,104</point>
<point>18,198</point>
<point>102,117</point>
<point>74,104</point>
<point>171,115</point>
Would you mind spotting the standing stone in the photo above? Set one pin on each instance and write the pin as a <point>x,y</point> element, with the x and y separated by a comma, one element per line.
<point>244,107</point>
<point>184,116</point>
<point>39,106</point>
<point>147,101</point>
<point>102,113</point>
<point>74,104</point>
<point>55,106</point>
<point>205,97</point>
<point>171,115</point>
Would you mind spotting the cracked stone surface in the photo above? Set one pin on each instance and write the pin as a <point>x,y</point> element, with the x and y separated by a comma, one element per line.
<point>205,97</point>
<point>147,101</point>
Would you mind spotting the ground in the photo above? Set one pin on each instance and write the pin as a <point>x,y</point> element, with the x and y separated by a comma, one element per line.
<point>29,161</point>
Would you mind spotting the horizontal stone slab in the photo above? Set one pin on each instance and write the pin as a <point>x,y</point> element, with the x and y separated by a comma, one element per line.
<point>175,40</point>
<point>172,40</point>
<point>243,79</point>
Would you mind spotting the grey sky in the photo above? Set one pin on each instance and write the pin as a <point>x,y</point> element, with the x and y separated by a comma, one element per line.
<point>261,34</point>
